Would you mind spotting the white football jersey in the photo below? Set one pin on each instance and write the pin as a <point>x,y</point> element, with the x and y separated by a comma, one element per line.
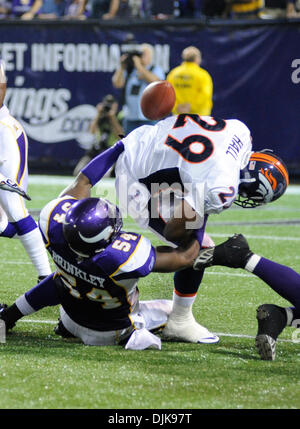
<point>204,154</point>
<point>13,163</point>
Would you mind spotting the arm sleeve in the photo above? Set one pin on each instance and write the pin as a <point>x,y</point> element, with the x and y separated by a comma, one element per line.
<point>97,168</point>
<point>220,198</point>
<point>140,262</point>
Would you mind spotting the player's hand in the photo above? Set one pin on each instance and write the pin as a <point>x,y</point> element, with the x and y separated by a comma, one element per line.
<point>11,186</point>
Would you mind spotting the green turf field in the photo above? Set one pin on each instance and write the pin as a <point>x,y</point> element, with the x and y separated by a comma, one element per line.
<point>41,371</point>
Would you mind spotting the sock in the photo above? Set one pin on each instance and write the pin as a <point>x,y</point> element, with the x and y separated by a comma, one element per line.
<point>186,283</point>
<point>282,279</point>
<point>182,305</point>
<point>32,240</point>
<point>9,231</point>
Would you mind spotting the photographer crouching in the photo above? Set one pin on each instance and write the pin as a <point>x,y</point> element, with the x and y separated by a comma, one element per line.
<point>133,75</point>
<point>106,128</point>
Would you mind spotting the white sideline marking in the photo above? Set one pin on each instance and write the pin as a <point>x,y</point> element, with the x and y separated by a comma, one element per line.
<point>226,235</point>
<point>221,334</point>
<point>41,179</point>
<point>259,237</point>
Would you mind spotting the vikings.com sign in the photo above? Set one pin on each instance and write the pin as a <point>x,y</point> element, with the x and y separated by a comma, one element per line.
<point>53,89</point>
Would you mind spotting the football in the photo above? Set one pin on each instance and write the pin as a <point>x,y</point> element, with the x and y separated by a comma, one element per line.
<point>157,100</point>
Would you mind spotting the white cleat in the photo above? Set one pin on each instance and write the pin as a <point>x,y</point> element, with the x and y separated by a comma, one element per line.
<point>187,330</point>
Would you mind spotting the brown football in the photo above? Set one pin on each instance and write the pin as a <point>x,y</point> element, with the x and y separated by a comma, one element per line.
<point>158,100</point>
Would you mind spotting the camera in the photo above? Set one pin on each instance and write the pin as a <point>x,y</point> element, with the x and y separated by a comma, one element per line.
<point>129,61</point>
<point>107,101</point>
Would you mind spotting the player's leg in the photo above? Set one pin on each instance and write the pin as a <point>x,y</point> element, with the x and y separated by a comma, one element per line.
<point>134,198</point>
<point>15,168</point>
<point>90,337</point>
<point>181,324</point>
<point>272,319</point>
<point>42,295</point>
<point>6,228</point>
<point>23,224</point>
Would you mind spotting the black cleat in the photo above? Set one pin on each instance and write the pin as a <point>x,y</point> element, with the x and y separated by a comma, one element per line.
<point>62,331</point>
<point>233,253</point>
<point>8,325</point>
<point>41,278</point>
<point>271,319</point>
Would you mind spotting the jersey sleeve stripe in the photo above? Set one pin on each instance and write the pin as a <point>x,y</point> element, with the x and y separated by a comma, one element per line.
<point>45,216</point>
<point>22,146</point>
<point>137,259</point>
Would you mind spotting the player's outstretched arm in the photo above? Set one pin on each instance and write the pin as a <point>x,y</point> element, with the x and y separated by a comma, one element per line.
<point>80,188</point>
<point>169,260</point>
<point>93,172</point>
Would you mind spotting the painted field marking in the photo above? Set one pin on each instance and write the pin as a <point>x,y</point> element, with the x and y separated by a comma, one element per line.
<point>221,334</point>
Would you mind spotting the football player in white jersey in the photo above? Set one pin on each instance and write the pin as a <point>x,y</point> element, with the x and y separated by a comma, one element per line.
<point>15,221</point>
<point>199,166</point>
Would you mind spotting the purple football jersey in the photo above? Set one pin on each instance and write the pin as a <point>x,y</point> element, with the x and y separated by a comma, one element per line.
<point>98,292</point>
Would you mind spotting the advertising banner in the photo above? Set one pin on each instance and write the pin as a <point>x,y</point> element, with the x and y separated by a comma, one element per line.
<point>58,74</point>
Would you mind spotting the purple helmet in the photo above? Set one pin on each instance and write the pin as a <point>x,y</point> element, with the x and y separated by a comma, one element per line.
<point>90,225</point>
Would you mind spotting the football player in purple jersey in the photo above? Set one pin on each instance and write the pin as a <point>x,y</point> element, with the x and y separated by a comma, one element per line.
<point>97,270</point>
<point>272,319</point>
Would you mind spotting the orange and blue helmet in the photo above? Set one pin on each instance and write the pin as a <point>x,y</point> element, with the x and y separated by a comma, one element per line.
<point>264,180</point>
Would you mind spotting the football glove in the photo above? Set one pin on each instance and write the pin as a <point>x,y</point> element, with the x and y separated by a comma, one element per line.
<point>11,186</point>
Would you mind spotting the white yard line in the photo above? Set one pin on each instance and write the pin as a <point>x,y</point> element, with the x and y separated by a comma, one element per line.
<point>220,334</point>
<point>37,179</point>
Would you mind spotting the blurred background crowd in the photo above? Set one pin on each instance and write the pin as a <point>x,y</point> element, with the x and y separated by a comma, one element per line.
<point>148,9</point>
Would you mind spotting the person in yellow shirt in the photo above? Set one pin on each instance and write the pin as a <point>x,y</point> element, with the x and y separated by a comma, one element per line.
<point>193,85</point>
<point>246,8</point>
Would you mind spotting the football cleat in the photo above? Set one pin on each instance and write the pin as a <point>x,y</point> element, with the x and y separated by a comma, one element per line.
<point>8,326</point>
<point>11,186</point>
<point>187,330</point>
<point>62,331</point>
<point>271,319</point>
<point>233,253</point>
